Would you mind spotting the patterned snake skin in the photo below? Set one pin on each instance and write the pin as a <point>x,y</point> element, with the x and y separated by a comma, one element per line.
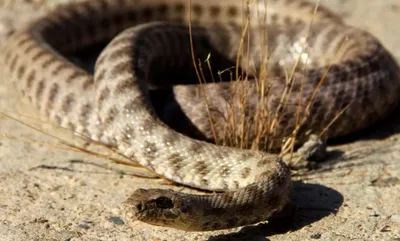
<point>114,106</point>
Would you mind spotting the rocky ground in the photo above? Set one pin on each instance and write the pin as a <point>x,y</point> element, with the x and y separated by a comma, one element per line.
<point>52,194</point>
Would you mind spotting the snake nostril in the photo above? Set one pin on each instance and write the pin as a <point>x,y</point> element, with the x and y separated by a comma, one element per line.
<point>139,207</point>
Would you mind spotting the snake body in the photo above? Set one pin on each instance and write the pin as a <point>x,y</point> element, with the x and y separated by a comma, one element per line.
<point>113,106</point>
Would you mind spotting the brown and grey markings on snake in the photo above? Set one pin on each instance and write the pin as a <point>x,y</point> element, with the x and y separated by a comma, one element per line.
<point>114,106</point>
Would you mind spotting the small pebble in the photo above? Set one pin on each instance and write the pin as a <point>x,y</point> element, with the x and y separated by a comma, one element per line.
<point>374,214</point>
<point>395,218</point>
<point>385,228</point>
<point>84,226</point>
<point>6,27</point>
<point>386,182</point>
<point>316,236</point>
<point>116,220</point>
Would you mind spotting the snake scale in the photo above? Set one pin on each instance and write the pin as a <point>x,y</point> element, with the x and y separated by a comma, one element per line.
<point>114,106</point>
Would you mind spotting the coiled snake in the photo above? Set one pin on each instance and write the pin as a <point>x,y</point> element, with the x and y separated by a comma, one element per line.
<point>114,106</point>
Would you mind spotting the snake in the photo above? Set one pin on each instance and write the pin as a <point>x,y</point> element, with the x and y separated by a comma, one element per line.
<point>153,45</point>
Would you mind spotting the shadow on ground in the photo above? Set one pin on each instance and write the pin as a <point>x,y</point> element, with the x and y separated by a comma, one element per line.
<point>312,202</point>
<point>380,130</point>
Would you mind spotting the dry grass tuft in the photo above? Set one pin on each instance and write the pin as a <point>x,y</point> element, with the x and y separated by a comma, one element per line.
<point>238,126</point>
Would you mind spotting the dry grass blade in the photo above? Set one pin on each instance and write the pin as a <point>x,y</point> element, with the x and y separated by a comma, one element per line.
<point>199,76</point>
<point>68,146</point>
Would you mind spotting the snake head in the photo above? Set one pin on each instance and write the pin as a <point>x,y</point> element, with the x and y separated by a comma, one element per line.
<point>158,207</point>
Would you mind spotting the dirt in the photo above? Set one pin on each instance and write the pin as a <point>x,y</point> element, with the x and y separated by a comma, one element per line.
<point>52,194</point>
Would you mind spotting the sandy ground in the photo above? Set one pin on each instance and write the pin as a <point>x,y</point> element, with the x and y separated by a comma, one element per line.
<point>50,194</point>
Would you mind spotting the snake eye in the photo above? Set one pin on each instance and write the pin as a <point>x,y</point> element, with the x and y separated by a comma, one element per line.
<point>164,202</point>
